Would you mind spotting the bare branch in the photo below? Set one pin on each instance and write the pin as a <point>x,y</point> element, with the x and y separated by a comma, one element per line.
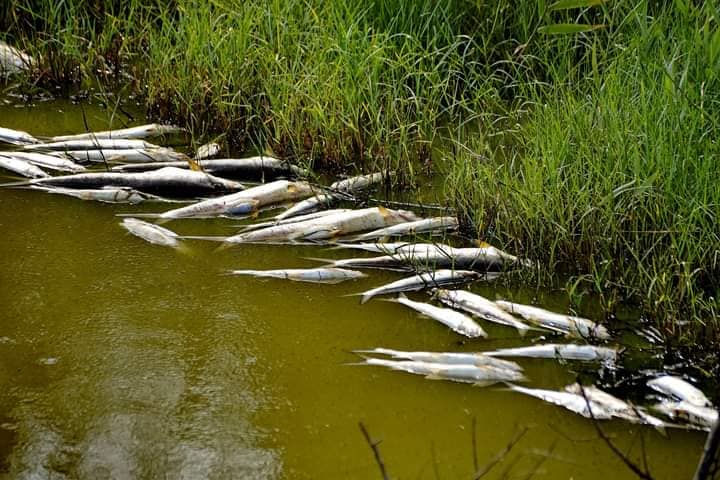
<point>376,451</point>
<point>500,455</point>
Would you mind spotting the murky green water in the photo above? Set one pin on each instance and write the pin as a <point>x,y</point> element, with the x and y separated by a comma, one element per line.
<point>120,359</point>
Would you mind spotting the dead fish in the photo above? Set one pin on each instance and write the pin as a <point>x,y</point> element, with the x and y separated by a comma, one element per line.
<point>313,275</point>
<point>380,247</point>
<point>616,407</point>
<point>93,144</point>
<point>206,151</point>
<point>573,402</point>
<point>479,375</point>
<point>480,307</point>
<point>16,137</point>
<point>13,60</point>
<point>52,162</point>
<point>569,325</point>
<point>140,132</point>
<point>438,278</point>
<point>241,203</point>
<point>166,182</point>
<point>327,226</point>
<point>360,182</point>
<point>127,155</point>
<point>299,218</point>
<point>435,224</point>
<point>678,388</point>
<point>105,194</point>
<point>702,417</point>
<point>587,353</point>
<point>21,167</point>
<point>456,321</point>
<point>251,169</point>
<point>150,232</point>
<point>308,205</point>
<point>477,359</point>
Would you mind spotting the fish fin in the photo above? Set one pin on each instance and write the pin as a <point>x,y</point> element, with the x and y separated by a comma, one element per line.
<point>292,188</point>
<point>384,211</point>
<point>481,244</point>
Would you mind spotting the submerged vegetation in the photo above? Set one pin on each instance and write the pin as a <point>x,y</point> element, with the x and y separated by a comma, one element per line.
<point>583,134</point>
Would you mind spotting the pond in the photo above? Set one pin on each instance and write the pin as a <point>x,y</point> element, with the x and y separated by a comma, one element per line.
<point>122,359</point>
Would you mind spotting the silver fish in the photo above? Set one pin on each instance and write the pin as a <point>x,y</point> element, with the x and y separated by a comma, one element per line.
<point>435,224</point>
<point>313,275</point>
<point>327,226</point>
<point>380,247</point>
<point>573,402</point>
<point>480,375</point>
<point>308,205</point>
<point>244,202</point>
<point>588,353</point>
<point>21,167</point>
<point>127,155</point>
<point>422,281</point>
<point>299,218</point>
<point>105,194</point>
<point>678,388</point>
<point>13,60</point>
<point>152,233</point>
<point>52,162</point>
<point>451,358</point>
<point>16,137</point>
<point>93,144</point>
<point>359,183</point>
<point>702,417</point>
<point>569,325</point>
<point>456,321</point>
<point>616,407</point>
<point>480,307</point>
<point>206,151</point>
<point>142,131</point>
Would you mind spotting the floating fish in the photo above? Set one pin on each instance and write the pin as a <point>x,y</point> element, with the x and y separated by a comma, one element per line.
<point>127,155</point>
<point>105,194</point>
<point>569,325</point>
<point>313,275</point>
<point>241,203</point>
<point>360,182</point>
<point>52,162</point>
<point>477,359</point>
<point>299,218</point>
<point>206,151</point>
<point>571,401</point>
<point>702,417</point>
<point>152,233</point>
<point>13,60</point>
<point>166,182</point>
<point>438,278</point>
<point>588,353</point>
<point>617,408</point>
<point>456,321</point>
<point>140,132</point>
<point>251,169</point>
<point>21,167</point>
<point>306,206</point>
<point>678,388</point>
<point>481,307</point>
<point>327,226</point>
<point>16,137</point>
<point>436,224</point>
<point>93,144</point>
<point>380,247</point>
<point>480,375</point>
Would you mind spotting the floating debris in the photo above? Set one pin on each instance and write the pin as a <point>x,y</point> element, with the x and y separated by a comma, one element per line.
<point>587,353</point>
<point>208,150</point>
<point>476,359</point>
<point>312,275</point>
<point>456,321</point>
<point>360,182</point>
<point>569,325</point>
<point>150,232</point>
<point>435,279</point>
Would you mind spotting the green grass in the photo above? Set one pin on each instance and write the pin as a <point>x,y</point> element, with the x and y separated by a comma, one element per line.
<point>593,152</point>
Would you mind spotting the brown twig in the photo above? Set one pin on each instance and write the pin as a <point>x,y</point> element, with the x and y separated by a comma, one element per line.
<point>376,451</point>
<point>500,455</point>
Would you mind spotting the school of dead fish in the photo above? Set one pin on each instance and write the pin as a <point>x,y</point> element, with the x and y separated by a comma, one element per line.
<point>134,171</point>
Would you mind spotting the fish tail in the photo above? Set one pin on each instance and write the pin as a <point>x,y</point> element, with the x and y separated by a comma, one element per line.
<point>224,246</point>
<point>23,183</point>
<point>366,296</point>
